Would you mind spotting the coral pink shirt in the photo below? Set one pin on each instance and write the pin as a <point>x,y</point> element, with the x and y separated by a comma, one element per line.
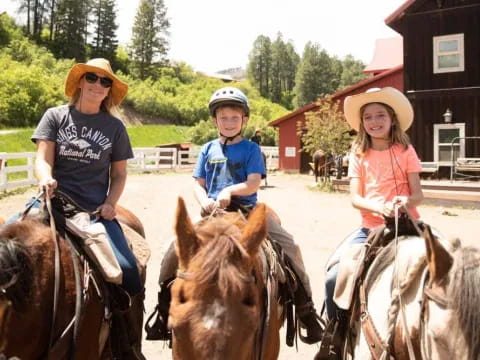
<point>383,175</point>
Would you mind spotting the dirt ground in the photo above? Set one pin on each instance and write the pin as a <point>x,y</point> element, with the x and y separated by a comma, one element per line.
<point>318,221</point>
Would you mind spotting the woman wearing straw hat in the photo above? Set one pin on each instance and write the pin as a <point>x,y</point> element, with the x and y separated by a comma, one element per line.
<point>383,167</point>
<point>82,150</point>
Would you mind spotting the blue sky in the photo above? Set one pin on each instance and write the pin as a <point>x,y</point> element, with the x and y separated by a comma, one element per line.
<point>213,35</point>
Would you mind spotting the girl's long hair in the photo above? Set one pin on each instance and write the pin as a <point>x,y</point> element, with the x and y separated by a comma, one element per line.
<point>363,142</point>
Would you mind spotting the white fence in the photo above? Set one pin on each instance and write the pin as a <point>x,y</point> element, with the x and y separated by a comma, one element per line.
<point>145,159</point>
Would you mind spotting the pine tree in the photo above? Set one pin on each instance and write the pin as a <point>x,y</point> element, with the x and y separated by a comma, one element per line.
<point>149,37</point>
<point>105,41</point>
<point>352,71</point>
<point>70,30</point>
<point>317,75</point>
<point>259,66</point>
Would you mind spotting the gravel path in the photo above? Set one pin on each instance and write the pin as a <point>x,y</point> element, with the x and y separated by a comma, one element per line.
<point>319,221</point>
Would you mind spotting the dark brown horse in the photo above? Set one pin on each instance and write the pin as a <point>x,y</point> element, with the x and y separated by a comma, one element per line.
<point>217,299</point>
<point>321,164</point>
<point>28,329</point>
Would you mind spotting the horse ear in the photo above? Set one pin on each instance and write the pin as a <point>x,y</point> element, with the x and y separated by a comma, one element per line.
<point>187,241</point>
<point>256,230</point>
<point>439,259</point>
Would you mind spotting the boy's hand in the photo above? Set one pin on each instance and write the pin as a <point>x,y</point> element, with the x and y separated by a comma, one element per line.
<point>209,205</point>
<point>224,198</point>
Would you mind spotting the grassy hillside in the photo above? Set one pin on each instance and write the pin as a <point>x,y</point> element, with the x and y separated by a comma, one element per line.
<point>140,136</point>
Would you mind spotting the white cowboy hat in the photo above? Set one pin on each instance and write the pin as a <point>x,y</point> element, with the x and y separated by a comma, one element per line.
<point>119,88</point>
<point>387,95</point>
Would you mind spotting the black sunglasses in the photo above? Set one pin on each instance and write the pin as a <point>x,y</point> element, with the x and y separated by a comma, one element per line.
<point>92,79</point>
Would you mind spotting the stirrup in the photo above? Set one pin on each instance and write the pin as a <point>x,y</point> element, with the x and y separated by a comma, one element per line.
<point>159,330</point>
<point>316,321</point>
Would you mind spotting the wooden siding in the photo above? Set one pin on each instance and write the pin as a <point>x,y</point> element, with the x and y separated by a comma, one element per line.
<point>288,138</point>
<point>429,108</point>
<point>418,31</point>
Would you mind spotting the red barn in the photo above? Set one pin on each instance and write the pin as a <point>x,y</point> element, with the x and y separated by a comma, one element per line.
<point>291,158</point>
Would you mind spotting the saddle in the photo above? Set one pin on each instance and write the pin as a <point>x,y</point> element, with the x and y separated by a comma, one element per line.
<point>353,268</point>
<point>119,320</point>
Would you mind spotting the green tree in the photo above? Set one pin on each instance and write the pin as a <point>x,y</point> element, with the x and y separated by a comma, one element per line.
<point>8,30</point>
<point>105,39</point>
<point>70,30</point>
<point>149,36</point>
<point>316,75</point>
<point>325,128</point>
<point>352,72</point>
<point>259,65</point>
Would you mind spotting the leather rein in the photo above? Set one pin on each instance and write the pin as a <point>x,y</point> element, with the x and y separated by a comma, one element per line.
<point>65,344</point>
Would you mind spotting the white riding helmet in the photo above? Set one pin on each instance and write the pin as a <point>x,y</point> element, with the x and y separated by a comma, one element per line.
<point>228,96</point>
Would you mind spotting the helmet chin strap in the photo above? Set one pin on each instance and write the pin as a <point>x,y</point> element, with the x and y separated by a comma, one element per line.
<point>227,139</point>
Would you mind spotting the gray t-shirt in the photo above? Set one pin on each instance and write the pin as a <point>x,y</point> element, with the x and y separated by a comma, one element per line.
<point>85,146</point>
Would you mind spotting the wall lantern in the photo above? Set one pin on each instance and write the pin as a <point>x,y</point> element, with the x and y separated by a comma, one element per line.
<point>447,117</point>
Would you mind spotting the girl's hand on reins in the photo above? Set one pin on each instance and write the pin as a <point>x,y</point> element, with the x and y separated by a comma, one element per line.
<point>400,200</point>
<point>388,209</point>
<point>49,184</point>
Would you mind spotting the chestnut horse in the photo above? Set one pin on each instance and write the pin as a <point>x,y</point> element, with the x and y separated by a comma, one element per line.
<point>436,315</point>
<point>28,329</point>
<point>217,302</point>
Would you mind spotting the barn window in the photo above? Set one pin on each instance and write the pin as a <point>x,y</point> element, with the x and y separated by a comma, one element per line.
<point>448,53</point>
<point>443,135</point>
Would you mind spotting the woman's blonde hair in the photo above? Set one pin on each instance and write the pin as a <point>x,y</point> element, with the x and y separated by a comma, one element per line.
<point>107,104</point>
<point>363,141</point>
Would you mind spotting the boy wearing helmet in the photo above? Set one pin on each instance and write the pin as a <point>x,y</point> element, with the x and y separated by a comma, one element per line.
<point>227,175</point>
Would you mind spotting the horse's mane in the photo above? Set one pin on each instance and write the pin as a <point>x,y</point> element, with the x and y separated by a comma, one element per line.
<point>218,261</point>
<point>464,293</point>
<point>16,267</point>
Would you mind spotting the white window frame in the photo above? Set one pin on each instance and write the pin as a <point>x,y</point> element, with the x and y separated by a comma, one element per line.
<point>436,53</point>
<point>436,144</point>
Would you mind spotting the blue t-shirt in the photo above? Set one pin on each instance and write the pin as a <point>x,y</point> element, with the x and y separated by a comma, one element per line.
<point>221,170</point>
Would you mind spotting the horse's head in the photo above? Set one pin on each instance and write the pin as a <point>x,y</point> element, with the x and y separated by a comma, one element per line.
<point>217,297</point>
<point>452,319</point>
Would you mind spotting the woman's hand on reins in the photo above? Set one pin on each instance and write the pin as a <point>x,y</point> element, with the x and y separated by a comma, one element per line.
<point>107,211</point>
<point>49,185</point>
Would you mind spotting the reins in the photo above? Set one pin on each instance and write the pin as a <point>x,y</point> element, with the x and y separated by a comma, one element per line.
<point>57,348</point>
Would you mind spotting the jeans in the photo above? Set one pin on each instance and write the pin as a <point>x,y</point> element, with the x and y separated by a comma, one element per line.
<point>359,236</point>
<point>131,280</point>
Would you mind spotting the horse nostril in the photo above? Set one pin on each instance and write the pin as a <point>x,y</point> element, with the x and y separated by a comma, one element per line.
<point>248,301</point>
<point>181,297</point>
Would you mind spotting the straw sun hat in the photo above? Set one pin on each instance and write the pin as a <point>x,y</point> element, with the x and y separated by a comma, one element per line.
<point>119,88</point>
<point>387,95</point>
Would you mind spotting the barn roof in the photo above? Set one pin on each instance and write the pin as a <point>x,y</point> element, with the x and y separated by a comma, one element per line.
<point>393,19</point>
<point>337,95</point>
<point>387,55</point>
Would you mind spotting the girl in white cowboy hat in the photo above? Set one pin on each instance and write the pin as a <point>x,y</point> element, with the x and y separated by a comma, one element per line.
<point>383,167</point>
<point>82,150</point>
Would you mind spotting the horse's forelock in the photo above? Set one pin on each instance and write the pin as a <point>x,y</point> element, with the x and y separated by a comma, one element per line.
<point>220,257</point>
<point>464,294</point>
